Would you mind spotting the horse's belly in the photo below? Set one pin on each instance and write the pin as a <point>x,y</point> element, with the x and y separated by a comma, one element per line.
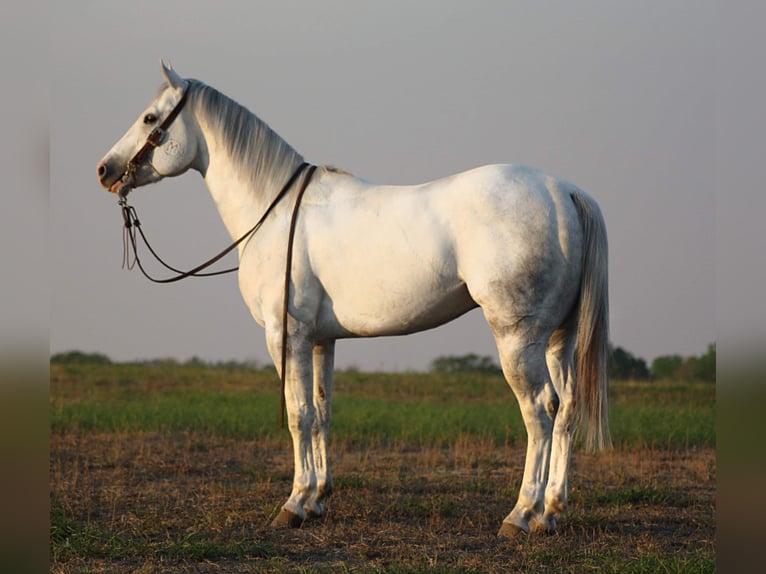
<point>377,312</point>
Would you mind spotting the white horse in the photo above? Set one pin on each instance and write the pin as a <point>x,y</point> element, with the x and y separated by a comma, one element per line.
<point>371,260</point>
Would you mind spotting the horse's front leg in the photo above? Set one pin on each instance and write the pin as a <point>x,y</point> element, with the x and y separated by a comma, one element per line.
<point>299,401</point>
<point>324,359</point>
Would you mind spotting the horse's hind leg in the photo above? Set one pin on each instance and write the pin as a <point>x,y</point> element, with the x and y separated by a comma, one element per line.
<point>524,366</point>
<point>560,359</point>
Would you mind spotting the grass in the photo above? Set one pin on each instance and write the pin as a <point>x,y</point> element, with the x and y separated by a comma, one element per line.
<point>420,409</point>
<point>166,469</point>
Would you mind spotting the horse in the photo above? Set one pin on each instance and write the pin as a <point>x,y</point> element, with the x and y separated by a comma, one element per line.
<point>370,260</point>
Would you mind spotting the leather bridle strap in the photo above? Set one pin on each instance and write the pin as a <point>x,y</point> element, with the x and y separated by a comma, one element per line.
<point>288,272</point>
<point>155,137</point>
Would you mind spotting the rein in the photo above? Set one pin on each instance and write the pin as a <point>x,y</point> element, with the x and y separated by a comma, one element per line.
<point>131,223</point>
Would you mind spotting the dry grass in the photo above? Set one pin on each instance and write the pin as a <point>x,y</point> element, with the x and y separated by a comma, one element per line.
<point>162,502</point>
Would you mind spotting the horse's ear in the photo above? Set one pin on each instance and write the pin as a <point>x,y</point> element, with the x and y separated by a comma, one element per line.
<point>171,76</point>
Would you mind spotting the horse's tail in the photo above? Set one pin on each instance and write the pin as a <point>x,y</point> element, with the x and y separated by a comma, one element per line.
<point>592,353</point>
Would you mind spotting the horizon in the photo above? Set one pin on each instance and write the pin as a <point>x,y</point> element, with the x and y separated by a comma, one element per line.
<point>259,364</point>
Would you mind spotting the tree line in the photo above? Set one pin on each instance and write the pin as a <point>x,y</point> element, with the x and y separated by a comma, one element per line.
<point>80,358</point>
<point>667,367</point>
<point>623,365</point>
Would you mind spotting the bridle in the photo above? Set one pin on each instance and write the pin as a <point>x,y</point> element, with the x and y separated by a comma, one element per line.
<point>131,223</point>
<point>153,140</point>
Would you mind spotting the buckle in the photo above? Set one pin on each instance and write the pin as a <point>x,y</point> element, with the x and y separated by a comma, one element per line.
<point>155,137</point>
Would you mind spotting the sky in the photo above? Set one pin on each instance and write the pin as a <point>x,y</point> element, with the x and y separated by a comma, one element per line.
<point>616,97</point>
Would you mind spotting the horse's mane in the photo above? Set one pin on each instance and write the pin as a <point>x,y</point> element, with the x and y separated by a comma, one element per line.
<point>261,156</point>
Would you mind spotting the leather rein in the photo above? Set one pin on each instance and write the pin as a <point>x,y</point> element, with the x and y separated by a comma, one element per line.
<point>132,223</point>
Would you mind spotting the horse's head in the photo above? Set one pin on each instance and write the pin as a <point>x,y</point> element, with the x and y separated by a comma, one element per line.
<point>159,144</point>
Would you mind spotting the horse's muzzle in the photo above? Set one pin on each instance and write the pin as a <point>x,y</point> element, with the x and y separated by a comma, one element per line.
<point>107,176</point>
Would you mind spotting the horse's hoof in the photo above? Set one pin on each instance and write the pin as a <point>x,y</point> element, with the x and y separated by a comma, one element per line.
<point>314,514</point>
<point>510,531</point>
<point>315,510</point>
<point>287,519</point>
<point>546,525</point>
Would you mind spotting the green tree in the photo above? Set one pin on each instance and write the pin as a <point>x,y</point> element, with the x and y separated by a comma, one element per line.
<point>706,369</point>
<point>700,368</point>
<point>666,366</point>
<point>624,366</point>
<point>80,358</point>
<point>471,363</point>
<point>675,367</point>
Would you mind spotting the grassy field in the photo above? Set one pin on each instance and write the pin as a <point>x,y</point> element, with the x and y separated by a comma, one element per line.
<point>179,469</point>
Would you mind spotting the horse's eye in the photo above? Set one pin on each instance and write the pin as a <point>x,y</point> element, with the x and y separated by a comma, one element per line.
<point>150,119</point>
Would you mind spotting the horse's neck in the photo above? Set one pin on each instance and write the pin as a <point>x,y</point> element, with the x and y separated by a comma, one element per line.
<point>240,201</point>
<point>236,202</point>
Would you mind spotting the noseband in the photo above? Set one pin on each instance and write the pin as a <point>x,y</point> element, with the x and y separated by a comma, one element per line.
<point>153,140</point>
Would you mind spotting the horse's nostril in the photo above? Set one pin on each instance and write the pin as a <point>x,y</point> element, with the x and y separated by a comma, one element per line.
<point>102,171</point>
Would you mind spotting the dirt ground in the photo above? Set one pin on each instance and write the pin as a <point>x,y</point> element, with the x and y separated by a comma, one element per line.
<point>155,503</point>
